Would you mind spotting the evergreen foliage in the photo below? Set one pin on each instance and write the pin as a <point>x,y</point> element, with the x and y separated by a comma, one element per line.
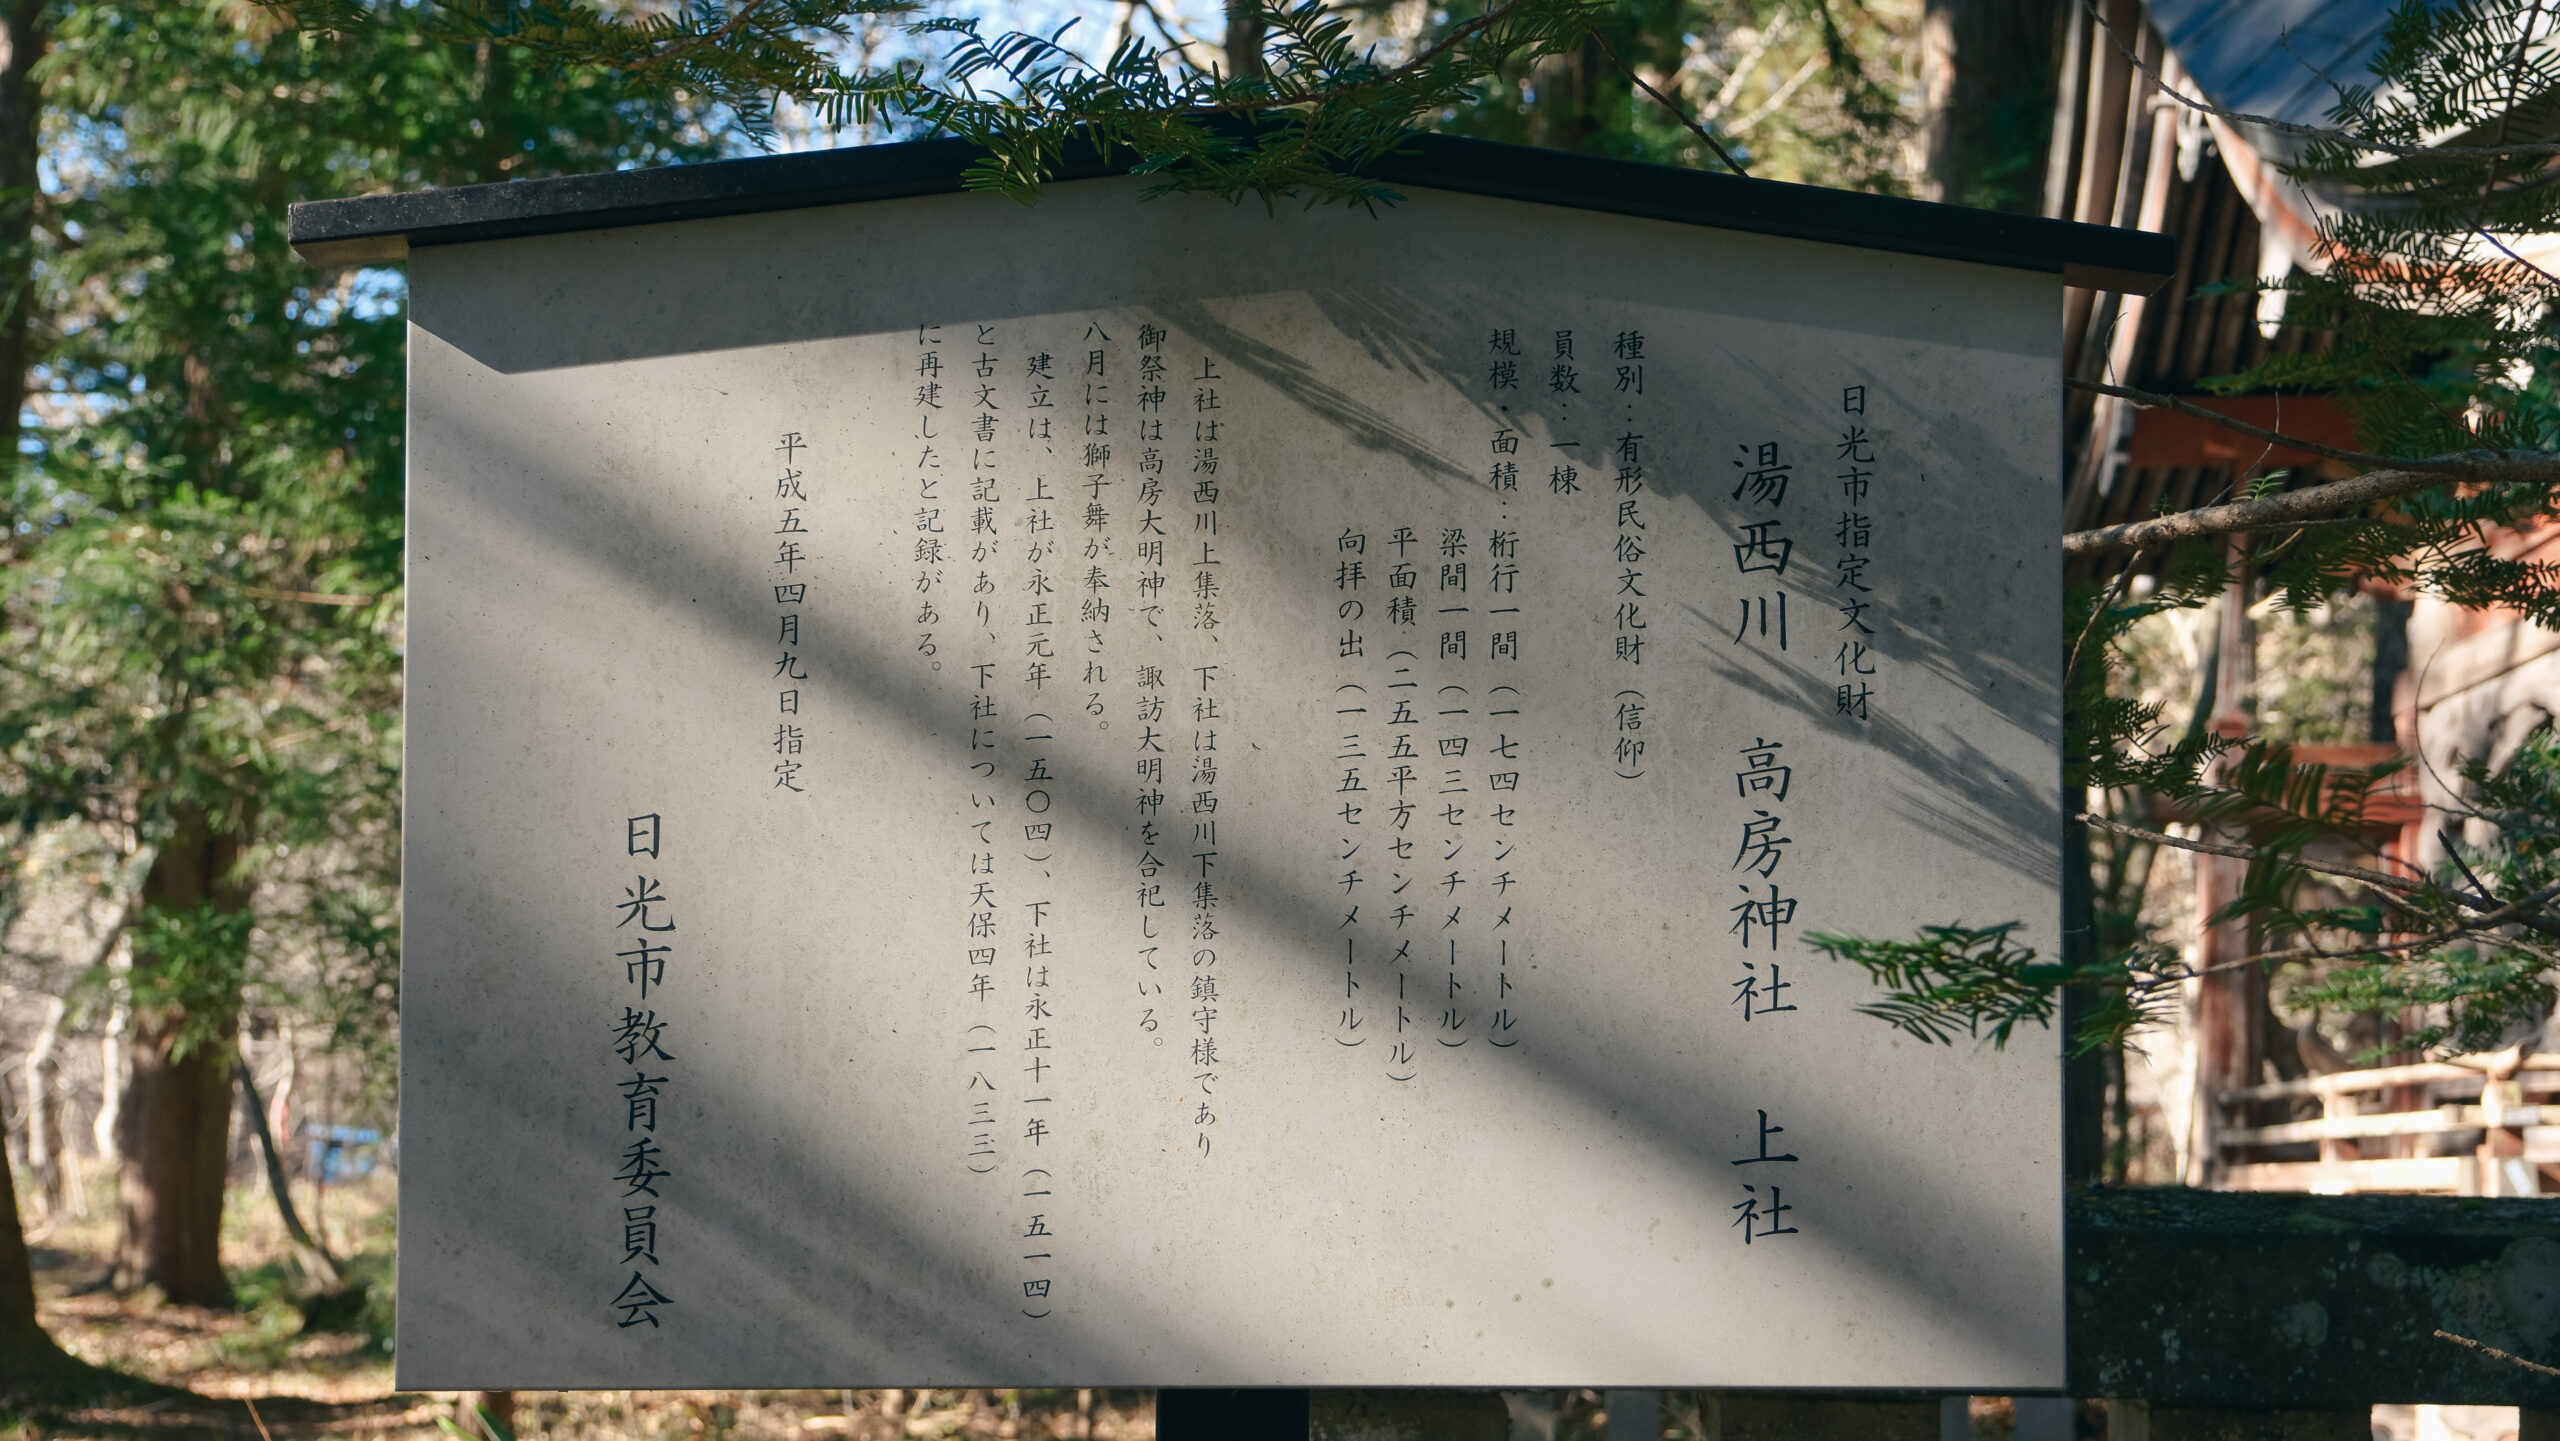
<point>1318,111</point>
<point>1313,108</point>
<point>203,597</point>
<point>2475,989</point>
<point>200,567</point>
<point>740,55</point>
<point>1791,90</point>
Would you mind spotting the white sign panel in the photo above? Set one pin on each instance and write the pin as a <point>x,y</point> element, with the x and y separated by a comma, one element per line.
<point>1150,793</point>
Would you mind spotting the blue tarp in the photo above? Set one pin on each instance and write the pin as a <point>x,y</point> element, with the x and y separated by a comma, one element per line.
<point>342,1153</point>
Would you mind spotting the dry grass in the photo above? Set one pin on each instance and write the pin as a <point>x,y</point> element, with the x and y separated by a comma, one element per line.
<point>309,1383</point>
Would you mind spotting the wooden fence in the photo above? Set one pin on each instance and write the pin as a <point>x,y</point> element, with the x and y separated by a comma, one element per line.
<point>2376,1129</point>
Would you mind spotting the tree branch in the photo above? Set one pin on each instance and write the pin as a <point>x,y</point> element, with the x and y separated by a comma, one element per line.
<point>2151,400</point>
<point>1669,104</point>
<point>1483,22</point>
<point>2453,853</point>
<point>1279,99</point>
<point>2115,592</point>
<point>2390,477</point>
<point>2494,1354</point>
<point>313,1251</point>
<point>1182,41</point>
<point>2514,912</point>
<point>1786,91</point>
<point>2250,853</point>
<point>2245,515</point>
<point>2291,507</point>
<point>306,597</point>
<point>2480,899</point>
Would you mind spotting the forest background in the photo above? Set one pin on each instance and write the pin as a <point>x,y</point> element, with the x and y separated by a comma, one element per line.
<point>200,553</point>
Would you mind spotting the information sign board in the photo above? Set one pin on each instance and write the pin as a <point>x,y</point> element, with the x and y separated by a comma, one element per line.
<point>1150,792</point>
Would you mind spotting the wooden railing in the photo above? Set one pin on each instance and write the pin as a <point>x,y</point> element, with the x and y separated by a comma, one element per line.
<point>2370,1120</point>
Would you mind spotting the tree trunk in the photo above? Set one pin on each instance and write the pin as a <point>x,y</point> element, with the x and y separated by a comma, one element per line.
<point>2390,662</point>
<point>22,43</point>
<point>315,1256</point>
<point>1987,77</point>
<point>177,1115</point>
<point>1244,38</point>
<point>175,1123</point>
<point>25,1350</point>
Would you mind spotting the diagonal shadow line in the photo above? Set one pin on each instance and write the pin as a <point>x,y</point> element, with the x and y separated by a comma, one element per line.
<point>1998,812</point>
<point>1373,429</point>
<point>1989,807</point>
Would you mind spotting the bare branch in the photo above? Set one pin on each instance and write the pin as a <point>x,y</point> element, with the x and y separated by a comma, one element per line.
<point>2153,400</point>
<point>2504,250</point>
<point>2294,506</point>
<point>1671,105</point>
<point>1776,30</point>
<point>1468,31</point>
<point>1179,37</point>
<point>2390,478</point>
<point>290,739</point>
<point>2453,852</point>
<point>312,1250</point>
<point>2513,912</point>
<point>2250,853</point>
<point>2481,899</point>
<point>307,597</point>
<point>2115,592</point>
<point>1780,96</point>
<point>2494,1354</point>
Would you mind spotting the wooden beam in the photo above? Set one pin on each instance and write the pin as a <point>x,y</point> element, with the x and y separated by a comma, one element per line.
<point>2431,1175</point>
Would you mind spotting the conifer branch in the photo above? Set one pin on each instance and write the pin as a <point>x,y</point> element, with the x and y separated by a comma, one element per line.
<point>1260,103</point>
<point>727,28</point>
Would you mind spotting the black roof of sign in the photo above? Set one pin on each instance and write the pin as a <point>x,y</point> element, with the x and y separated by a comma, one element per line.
<point>374,228</point>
